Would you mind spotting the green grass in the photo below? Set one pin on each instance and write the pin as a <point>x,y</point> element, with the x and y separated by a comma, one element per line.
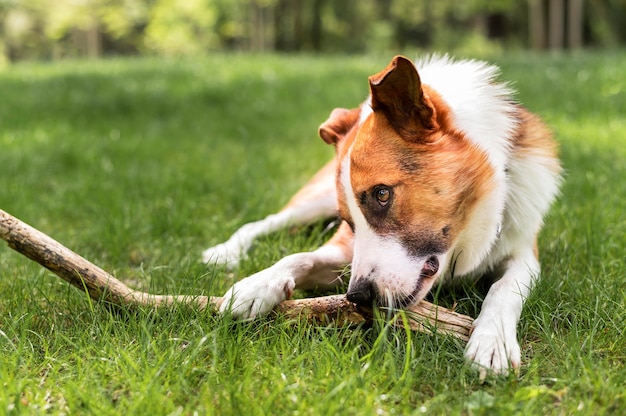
<point>139,165</point>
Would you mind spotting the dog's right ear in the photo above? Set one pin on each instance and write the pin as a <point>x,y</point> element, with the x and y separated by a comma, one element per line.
<point>339,123</point>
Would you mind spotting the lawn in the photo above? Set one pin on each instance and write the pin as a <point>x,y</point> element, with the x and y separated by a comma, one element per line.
<point>140,164</point>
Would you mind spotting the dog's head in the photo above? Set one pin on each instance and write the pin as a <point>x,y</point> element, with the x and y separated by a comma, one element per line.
<point>408,184</point>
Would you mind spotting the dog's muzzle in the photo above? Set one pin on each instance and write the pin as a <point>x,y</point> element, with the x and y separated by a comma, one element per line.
<point>365,293</point>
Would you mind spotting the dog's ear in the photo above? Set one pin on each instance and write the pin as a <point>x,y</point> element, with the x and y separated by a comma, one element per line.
<point>397,93</point>
<point>339,123</point>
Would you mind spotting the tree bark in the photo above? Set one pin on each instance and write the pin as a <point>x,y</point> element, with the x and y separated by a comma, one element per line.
<point>536,24</point>
<point>100,285</point>
<point>556,29</point>
<point>575,24</point>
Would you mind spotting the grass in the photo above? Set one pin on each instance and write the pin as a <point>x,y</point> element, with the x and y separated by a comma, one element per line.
<point>140,164</point>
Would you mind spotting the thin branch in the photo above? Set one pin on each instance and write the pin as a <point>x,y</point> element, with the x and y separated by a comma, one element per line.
<point>100,285</point>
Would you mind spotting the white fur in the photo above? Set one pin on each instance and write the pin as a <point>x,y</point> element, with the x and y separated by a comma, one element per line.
<point>533,185</point>
<point>493,342</point>
<point>366,110</point>
<point>483,109</point>
<point>258,294</point>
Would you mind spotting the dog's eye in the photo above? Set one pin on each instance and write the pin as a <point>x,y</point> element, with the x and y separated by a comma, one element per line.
<point>382,195</point>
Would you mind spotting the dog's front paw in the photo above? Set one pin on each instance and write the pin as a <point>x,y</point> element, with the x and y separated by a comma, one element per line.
<point>491,348</point>
<point>225,254</point>
<point>256,295</point>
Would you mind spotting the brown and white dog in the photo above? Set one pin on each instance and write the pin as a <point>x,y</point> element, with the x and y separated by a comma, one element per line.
<point>439,176</point>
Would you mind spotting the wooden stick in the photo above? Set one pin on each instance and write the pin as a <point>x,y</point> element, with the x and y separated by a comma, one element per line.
<point>101,285</point>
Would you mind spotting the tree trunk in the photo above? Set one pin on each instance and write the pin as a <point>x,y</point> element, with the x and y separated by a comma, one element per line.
<point>575,24</point>
<point>556,30</point>
<point>536,24</point>
<point>93,40</point>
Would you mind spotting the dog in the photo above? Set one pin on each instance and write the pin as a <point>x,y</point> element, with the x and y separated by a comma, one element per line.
<point>439,175</point>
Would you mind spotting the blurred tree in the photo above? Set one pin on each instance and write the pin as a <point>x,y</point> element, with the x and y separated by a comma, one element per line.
<point>536,24</point>
<point>123,24</point>
<point>77,20</point>
<point>22,29</point>
<point>58,28</point>
<point>607,21</point>
<point>556,27</point>
<point>31,29</point>
<point>557,24</point>
<point>575,24</point>
<point>181,27</point>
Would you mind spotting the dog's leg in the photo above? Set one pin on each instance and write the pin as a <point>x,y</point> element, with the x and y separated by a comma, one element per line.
<point>316,200</point>
<point>258,294</point>
<point>493,342</point>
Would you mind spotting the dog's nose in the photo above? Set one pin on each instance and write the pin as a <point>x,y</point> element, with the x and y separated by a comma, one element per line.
<point>362,292</point>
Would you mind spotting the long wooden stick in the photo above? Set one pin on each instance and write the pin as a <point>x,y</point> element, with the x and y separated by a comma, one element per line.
<point>101,285</point>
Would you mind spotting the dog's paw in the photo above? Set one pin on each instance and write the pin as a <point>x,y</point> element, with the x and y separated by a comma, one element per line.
<point>492,349</point>
<point>256,295</point>
<point>223,254</point>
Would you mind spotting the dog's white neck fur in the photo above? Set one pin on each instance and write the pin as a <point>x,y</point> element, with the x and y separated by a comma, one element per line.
<point>485,111</point>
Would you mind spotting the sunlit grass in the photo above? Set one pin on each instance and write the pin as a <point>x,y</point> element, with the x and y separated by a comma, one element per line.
<point>139,165</point>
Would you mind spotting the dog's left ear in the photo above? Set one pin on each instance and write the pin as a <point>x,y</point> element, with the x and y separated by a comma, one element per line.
<point>339,123</point>
<point>397,93</point>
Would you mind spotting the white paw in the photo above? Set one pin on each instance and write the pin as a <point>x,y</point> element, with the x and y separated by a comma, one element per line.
<point>223,254</point>
<point>491,348</point>
<point>256,295</point>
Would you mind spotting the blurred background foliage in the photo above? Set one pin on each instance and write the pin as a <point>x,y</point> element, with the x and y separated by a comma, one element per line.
<point>55,29</point>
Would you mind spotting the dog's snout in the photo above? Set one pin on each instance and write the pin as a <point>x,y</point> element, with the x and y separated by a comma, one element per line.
<point>362,293</point>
